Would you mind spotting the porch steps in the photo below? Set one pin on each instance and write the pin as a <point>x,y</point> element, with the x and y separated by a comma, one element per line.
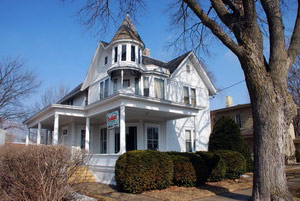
<point>83,175</point>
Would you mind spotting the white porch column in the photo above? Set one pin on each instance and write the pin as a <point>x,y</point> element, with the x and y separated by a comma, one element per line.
<point>142,85</point>
<point>87,134</point>
<point>55,131</point>
<point>122,78</point>
<point>27,137</point>
<point>38,134</point>
<point>122,130</point>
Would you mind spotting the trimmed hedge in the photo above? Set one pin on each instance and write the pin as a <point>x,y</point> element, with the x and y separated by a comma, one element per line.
<point>189,169</point>
<point>216,165</point>
<point>138,171</point>
<point>235,163</point>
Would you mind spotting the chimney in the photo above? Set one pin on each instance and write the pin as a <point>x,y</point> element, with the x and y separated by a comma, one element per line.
<point>146,52</point>
<point>229,101</point>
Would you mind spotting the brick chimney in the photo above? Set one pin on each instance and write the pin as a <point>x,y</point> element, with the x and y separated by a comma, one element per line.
<point>146,52</point>
<point>229,101</point>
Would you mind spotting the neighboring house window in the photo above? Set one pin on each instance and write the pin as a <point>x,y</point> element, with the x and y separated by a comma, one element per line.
<point>70,102</point>
<point>117,140</point>
<point>146,86</point>
<point>238,120</point>
<point>104,89</point>
<point>132,53</point>
<point>115,85</point>
<point>123,52</point>
<point>82,139</point>
<point>139,55</point>
<point>188,68</point>
<point>188,141</point>
<point>103,141</point>
<point>193,96</point>
<point>152,138</point>
<point>86,100</point>
<point>186,95</point>
<point>136,85</point>
<point>105,60</point>
<point>116,54</point>
<point>159,88</point>
<point>126,83</point>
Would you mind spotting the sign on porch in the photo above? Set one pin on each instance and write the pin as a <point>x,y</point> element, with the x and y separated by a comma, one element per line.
<point>113,119</point>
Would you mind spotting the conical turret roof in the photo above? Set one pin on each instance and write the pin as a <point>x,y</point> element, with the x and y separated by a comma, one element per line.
<point>127,31</point>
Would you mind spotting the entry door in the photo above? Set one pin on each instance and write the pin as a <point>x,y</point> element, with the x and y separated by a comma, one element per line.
<point>131,139</point>
<point>82,139</point>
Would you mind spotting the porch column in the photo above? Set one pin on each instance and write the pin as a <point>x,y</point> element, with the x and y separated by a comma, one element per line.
<point>142,85</point>
<point>55,131</point>
<point>38,134</point>
<point>122,77</point>
<point>27,137</point>
<point>87,134</point>
<point>122,130</point>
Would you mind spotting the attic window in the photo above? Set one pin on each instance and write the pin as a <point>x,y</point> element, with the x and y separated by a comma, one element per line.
<point>105,60</point>
<point>188,68</point>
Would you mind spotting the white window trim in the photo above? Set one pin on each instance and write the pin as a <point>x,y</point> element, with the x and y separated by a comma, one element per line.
<point>147,125</point>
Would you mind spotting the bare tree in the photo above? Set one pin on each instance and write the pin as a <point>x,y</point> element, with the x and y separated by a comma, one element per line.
<point>51,95</point>
<point>16,84</point>
<point>240,25</point>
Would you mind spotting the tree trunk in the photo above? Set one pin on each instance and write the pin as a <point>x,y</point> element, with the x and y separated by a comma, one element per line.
<point>272,110</point>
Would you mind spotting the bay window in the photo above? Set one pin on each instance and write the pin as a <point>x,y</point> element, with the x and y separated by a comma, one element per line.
<point>123,53</point>
<point>146,86</point>
<point>159,86</point>
<point>132,53</point>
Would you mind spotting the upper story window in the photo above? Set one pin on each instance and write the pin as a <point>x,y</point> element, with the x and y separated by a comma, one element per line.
<point>123,52</point>
<point>105,60</point>
<point>159,90</point>
<point>137,86</point>
<point>193,96</point>
<point>139,55</point>
<point>188,68</point>
<point>115,85</point>
<point>186,95</point>
<point>104,89</point>
<point>132,53</point>
<point>238,120</point>
<point>86,97</point>
<point>116,54</point>
<point>146,86</point>
<point>126,83</point>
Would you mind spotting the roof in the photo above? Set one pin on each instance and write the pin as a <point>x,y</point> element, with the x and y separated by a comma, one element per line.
<point>72,93</point>
<point>236,107</point>
<point>171,65</point>
<point>127,31</point>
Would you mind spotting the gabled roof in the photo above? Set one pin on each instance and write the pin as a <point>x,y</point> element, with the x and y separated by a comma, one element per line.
<point>235,107</point>
<point>72,93</point>
<point>127,31</point>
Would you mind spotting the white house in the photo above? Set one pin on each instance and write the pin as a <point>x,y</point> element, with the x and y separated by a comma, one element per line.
<point>130,101</point>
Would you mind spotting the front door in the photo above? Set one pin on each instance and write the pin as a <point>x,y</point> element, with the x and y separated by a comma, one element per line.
<point>131,139</point>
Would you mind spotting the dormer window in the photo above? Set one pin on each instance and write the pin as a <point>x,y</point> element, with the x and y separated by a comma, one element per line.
<point>132,53</point>
<point>123,52</point>
<point>116,54</point>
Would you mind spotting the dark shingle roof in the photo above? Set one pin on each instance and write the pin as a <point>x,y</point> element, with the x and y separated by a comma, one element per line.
<point>127,31</point>
<point>171,65</point>
<point>72,93</point>
<point>104,43</point>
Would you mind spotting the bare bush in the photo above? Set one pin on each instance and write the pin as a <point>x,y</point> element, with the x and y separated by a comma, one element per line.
<point>38,173</point>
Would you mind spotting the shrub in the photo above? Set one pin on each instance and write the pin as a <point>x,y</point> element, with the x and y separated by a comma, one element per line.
<point>226,135</point>
<point>189,169</point>
<point>37,172</point>
<point>138,171</point>
<point>297,154</point>
<point>216,165</point>
<point>235,163</point>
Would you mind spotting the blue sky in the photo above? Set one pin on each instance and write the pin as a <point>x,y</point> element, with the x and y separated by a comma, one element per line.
<point>47,35</point>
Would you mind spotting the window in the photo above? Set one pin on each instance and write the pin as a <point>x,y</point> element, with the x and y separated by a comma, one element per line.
<point>152,138</point>
<point>188,141</point>
<point>188,68</point>
<point>104,89</point>
<point>146,86</point>
<point>136,86</point>
<point>238,120</point>
<point>82,139</point>
<point>117,140</point>
<point>186,95</point>
<point>103,141</point>
<point>123,52</point>
<point>139,55</point>
<point>194,134</point>
<point>105,60</point>
<point>116,54</point>
<point>126,83</point>
<point>70,102</point>
<point>86,100</point>
<point>65,131</point>
<point>115,83</point>
<point>132,53</point>
<point>193,96</point>
<point>159,86</point>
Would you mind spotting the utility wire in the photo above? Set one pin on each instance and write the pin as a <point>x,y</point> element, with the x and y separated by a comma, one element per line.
<point>231,85</point>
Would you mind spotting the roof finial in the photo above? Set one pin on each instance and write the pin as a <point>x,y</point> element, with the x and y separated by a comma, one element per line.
<point>127,14</point>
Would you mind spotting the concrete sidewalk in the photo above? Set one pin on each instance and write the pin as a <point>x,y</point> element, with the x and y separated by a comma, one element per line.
<point>236,195</point>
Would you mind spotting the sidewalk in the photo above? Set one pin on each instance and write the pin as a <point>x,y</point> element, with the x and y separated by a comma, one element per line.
<point>236,195</point>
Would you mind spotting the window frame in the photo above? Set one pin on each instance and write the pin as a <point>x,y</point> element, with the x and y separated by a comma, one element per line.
<point>103,141</point>
<point>155,126</point>
<point>186,97</point>
<point>148,88</point>
<point>163,87</point>
<point>104,89</point>
<point>127,79</point>
<point>133,56</point>
<point>193,99</point>
<point>105,60</point>
<point>238,120</point>
<point>124,52</point>
<point>116,54</point>
<point>188,141</point>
